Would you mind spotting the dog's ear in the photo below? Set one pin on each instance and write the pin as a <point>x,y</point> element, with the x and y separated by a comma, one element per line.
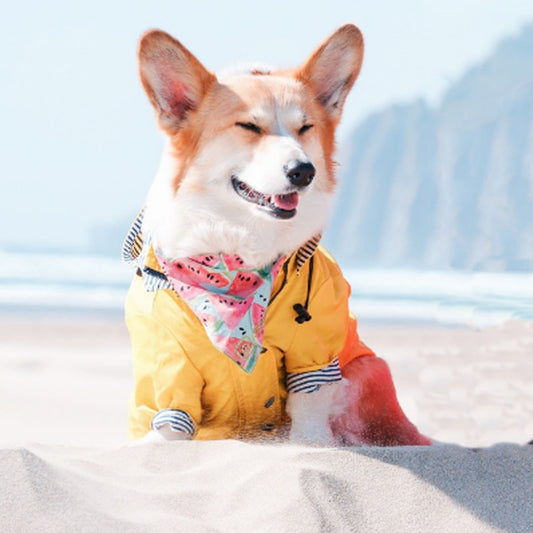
<point>333,68</point>
<point>173,78</point>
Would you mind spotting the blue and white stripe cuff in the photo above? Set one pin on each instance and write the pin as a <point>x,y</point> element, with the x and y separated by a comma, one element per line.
<point>311,381</point>
<point>176,419</point>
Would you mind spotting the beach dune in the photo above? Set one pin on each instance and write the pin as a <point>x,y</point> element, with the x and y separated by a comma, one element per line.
<point>234,486</point>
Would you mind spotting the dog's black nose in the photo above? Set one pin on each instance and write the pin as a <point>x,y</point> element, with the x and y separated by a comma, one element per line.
<point>299,173</point>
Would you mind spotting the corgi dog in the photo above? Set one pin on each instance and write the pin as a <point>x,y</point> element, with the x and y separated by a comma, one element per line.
<point>238,317</point>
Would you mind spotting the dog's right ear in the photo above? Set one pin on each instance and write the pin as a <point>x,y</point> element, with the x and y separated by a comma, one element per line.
<point>333,68</point>
<point>173,78</point>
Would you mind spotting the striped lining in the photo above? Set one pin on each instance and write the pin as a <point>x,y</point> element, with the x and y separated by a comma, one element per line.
<point>306,251</point>
<point>312,381</point>
<point>177,420</point>
<point>133,243</point>
<point>133,252</point>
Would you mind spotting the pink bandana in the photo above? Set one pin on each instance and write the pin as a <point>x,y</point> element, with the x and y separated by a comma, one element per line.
<point>229,298</point>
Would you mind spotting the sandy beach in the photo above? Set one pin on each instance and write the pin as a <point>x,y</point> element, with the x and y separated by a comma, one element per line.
<point>64,387</point>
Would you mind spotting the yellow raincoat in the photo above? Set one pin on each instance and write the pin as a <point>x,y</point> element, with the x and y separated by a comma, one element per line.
<point>176,367</point>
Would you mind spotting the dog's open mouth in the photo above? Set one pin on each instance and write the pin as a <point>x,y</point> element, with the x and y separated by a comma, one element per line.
<point>277,205</point>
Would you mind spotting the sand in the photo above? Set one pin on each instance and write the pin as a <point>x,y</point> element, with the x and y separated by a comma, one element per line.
<point>65,464</point>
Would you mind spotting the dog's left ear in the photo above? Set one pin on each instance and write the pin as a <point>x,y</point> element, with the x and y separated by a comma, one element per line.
<point>333,68</point>
<point>174,80</point>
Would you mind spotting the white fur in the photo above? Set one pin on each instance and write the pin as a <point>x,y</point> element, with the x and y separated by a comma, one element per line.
<point>310,414</point>
<point>243,68</point>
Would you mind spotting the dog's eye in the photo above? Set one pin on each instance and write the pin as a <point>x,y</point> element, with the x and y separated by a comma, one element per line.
<point>250,126</point>
<point>304,128</point>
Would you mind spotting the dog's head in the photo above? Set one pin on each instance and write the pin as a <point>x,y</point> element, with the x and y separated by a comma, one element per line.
<point>248,163</point>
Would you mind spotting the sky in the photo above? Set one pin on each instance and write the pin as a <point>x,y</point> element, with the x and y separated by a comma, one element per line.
<point>79,143</point>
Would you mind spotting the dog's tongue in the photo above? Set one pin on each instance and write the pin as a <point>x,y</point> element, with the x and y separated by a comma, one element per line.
<point>286,201</point>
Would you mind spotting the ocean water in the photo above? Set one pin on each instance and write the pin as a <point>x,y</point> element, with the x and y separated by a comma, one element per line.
<point>85,283</point>
<point>453,298</point>
<point>61,282</point>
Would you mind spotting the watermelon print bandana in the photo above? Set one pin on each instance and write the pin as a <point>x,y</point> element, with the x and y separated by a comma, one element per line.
<point>229,298</point>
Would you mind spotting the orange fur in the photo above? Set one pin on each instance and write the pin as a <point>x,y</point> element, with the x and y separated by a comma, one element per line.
<point>373,414</point>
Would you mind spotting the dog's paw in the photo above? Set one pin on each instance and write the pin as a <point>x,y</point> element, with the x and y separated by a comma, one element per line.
<point>163,434</point>
<point>310,414</point>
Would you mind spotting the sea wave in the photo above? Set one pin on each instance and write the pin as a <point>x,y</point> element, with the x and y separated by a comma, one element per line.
<point>455,298</point>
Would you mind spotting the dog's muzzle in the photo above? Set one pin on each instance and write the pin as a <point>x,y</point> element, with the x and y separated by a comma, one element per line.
<point>300,175</point>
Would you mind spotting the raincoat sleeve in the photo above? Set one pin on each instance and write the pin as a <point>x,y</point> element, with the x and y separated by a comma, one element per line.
<point>353,347</point>
<point>167,386</point>
<point>330,335</point>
